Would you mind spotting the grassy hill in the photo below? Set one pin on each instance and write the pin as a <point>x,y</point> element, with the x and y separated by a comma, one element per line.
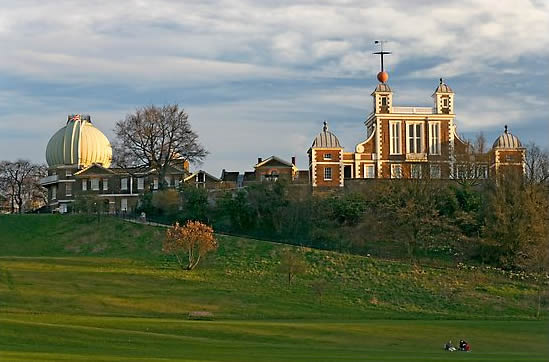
<point>74,288</point>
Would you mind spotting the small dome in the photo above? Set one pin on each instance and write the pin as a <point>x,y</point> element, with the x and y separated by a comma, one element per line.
<point>326,139</point>
<point>78,143</point>
<point>443,88</point>
<point>507,140</point>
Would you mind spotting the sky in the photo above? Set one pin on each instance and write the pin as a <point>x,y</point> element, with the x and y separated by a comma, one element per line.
<point>258,78</point>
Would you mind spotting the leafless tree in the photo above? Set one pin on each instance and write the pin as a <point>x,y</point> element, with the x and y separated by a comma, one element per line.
<point>20,181</point>
<point>537,164</point>
<point>156,137</point>
<point>472,167</point>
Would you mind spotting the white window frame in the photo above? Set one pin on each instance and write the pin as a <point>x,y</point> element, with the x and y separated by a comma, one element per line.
<point>105,184</point>
<point>54,192</point>
<point>396,170</point>
<point>395,140</point>
<point>437,174</point>
<point>368,174</point>
<point>415,170</point>
<point>68,189</point>
<point>94,184</point>
<point>434,138</point>
<point>168,180</point>
<point>84,184</point>
<point>327,156</point>
<point>328,174</point>
<point>176,182</point>
<point>482,171</point>
<point>415,137</point>
<point>140,183</point>
<point>155,183</point>
<point>123,183</point>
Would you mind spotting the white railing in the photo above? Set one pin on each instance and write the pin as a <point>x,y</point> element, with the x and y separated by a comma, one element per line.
<point>413,110</point>
<point>49,179</point>
<point>416,157</point>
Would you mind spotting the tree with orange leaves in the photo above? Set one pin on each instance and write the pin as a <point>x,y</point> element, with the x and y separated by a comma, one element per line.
<point>194,239</point>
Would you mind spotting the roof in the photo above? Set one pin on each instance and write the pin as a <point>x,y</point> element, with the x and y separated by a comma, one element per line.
<point>205,173</point>
<point>326,139</point>
<point>249,176</point>
<point>229,176</point>
<point>507,140</point>
<point>382,87</point>
<point>443,88</point>
<point>273,158</point>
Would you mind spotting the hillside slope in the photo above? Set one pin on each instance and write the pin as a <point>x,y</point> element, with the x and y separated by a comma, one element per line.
<point>53,263</point>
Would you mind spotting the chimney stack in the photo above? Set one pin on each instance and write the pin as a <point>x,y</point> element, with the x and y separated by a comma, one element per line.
<point>259,160</point>
<point>293,160</point>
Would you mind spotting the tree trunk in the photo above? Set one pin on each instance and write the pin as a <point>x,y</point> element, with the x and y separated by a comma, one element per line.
<point>539,302</point>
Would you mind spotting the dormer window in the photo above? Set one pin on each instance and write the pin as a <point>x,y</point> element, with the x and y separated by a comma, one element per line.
<point>327,156</point>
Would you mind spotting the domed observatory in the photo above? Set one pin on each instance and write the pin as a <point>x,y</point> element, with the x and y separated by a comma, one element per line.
<point>508,154</point>
<point>77,145</point>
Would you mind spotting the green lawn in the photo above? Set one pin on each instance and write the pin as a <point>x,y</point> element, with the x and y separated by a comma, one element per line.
<point>75,289</point>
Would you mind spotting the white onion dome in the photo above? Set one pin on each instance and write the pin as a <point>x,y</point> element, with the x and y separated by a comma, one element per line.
<point>507,141</point>
<point>326,139</point>
<point>79,143</point>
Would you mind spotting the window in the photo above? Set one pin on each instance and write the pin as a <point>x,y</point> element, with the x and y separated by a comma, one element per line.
<point>124,183</point>
<point>369,171</point>
<point>460,172</point>
<point>68,189</point>
<point>384,101</point>
<point>124,205</point>
<point>328,174</point>
<point>394,135</point>
<point>94,184</point>
<point>482,171</point>
<point>416,170</point>
<point>68,173</point>
<point>54,192</point>
<point>105,184</point>
<point>140,183</point>
<point>155,183</point>
<point>327,156</point>
<point>434,171</point>
<point>84,185</point>
<point>445,102</point>
<point>202,178</point>
<point>415,131</point>
<point>434,138</point>
<point>167,180</point>
<point>176,182</point>
<point>396,171</point>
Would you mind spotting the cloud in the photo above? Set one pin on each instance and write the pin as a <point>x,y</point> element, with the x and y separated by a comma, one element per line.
<point>264,74</point>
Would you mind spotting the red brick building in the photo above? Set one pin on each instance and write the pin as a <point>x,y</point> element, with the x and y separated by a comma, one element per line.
<point>409,142</point>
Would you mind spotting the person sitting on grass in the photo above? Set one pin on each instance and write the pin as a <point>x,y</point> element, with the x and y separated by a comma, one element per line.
<point>464,346</point>
<point>449,347</point>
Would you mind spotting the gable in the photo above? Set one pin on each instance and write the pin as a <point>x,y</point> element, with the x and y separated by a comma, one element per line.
<point>94,170</point>
<point>273,162</point>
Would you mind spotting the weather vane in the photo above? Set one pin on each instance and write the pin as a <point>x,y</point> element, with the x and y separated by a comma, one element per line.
<point>382,76</point>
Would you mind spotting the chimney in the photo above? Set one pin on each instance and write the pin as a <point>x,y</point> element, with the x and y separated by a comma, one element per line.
<point>259,160</point>
<point>293,160</point>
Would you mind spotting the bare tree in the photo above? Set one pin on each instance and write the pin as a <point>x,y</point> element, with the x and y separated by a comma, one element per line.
<point>319,287</point>
<point>20,181</point>
<point>156,137</point>
<point>537,164</point>
<point>472,166</point>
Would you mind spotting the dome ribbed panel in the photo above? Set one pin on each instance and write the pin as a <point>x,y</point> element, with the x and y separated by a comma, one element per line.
<point>79,142</point>
<point>507,140</point>
<point>94,147</point>
<point>54,149</point>
<point>326,139</point>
